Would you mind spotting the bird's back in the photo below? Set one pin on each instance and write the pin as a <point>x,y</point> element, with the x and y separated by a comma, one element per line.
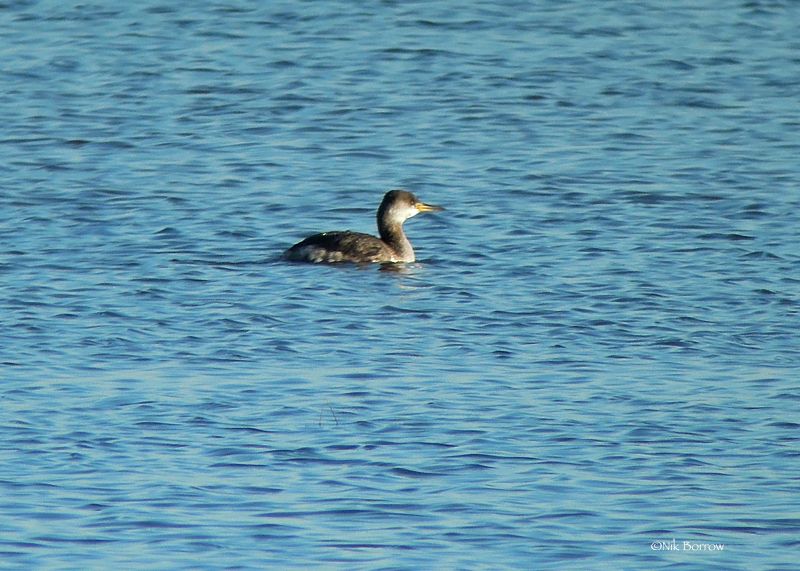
<point>340,247</point>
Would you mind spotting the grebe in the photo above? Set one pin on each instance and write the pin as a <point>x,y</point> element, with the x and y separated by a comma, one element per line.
<point>392,246</point>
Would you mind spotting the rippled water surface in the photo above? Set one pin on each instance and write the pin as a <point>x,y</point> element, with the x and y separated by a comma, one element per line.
<point>593,363</point>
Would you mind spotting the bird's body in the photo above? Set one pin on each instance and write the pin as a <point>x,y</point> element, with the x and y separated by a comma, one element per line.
<point>345,246</point>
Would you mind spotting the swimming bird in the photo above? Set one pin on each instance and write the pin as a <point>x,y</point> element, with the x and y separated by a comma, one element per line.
<point>392,246</point>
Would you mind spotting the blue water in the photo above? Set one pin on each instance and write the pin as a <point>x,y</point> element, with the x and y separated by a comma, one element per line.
<point>594,362</point>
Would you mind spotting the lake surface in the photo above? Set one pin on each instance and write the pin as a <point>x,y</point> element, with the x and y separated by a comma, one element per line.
<point>593,364</point>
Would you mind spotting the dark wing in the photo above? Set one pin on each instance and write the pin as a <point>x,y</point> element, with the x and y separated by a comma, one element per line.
<point>338,247</point>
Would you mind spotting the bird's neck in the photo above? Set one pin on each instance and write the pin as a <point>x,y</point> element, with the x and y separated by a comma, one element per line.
<point>396,239</point>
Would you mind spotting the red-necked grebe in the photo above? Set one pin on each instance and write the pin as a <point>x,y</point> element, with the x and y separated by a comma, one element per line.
<point>392,246</point>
